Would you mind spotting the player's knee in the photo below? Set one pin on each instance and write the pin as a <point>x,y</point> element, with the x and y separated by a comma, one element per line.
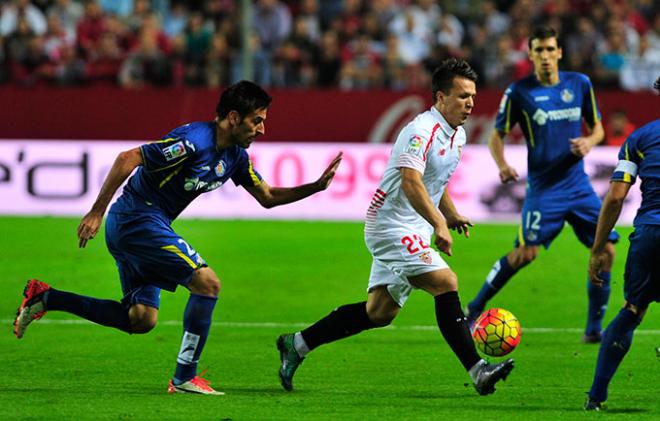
<point>636,310</point>
<point>382,317</point>
<point>205,282</point>
<point>144,321</point>
<point>524,256</point>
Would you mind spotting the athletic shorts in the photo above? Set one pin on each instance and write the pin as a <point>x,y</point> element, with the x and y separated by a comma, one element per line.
<point>642,275</point>
<point>544,214</point>
<point>398,255</point>
<point>150,256</point>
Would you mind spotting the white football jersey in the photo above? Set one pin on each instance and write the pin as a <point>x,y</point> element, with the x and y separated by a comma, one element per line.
<point>429,145</point>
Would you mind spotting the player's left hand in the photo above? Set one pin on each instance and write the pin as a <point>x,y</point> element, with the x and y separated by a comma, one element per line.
<point>460,224</point>
<point>580,146</point>
<point>326,178</point>
<point>596,265</point>
<point>89,227</point>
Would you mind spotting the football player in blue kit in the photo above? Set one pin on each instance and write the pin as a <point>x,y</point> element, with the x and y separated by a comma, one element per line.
<point>639,156</point>
<point>549,106</point>
<point>190,160</point>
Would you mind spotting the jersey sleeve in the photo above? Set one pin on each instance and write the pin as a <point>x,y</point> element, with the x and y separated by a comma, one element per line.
<point>413,154</point>
<point>166,153</point>
<point>508,112</point>
<point>629,160</point>
<point>245,175</point>
<point>589,106</point>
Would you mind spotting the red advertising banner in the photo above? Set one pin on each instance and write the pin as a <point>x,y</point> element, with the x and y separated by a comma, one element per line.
<point>295,116</point>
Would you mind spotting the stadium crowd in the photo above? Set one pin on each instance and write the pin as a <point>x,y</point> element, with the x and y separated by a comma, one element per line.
<point>346,44</point>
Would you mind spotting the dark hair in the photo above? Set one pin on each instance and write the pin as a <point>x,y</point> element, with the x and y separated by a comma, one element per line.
<point>542,32</point>
<point>243,97</point>
<point>656,85</point>
<point>443,76</point>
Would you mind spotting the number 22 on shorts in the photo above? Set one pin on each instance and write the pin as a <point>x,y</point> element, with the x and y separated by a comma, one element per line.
<point>414,243</point>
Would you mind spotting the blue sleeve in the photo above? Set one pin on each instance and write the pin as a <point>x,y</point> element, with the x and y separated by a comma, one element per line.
<point>589,106</point>
<point>245,174</point>
<point>507,113</point>
<point>630,158</point>
<point>168,152</point>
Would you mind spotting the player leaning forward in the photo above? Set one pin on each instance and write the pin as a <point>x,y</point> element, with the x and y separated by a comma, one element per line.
<point>409,207</point>
<point>190,160</point>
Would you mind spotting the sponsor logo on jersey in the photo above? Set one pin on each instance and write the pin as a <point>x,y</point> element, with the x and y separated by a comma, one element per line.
<point>426,257</point>
<point>174,151</point>
<point>541,98</point>
<point>567,95</point>
<point>442,151</point>
<point>205,168</point>
<point>191,184</point>
<point>414,144</point>
<point>220,168</point>
<point>571,114</point>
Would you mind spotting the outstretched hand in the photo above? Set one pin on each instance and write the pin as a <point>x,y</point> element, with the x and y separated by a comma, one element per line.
<point>326,178</point>
<point>460,223</point>
<point>89,227</point>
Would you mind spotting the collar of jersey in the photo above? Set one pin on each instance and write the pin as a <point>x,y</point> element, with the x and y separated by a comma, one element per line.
<point>446,128</point>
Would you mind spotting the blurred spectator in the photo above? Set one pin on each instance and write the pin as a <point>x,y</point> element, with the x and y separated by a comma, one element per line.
<point>175,20</point>
<point>217,64</point>
<point>328,63</point>
<point>272,23</point>
<point>580,46</point>
<point>611,58</point>
<point>394,67</point>
<point>70,70</point>
<point>413,42</point>
<point>618,128</point>
<point>16,10</point>
<point>309,13</point>
<point>35,67</point>
<point>146,66</point>
<point>360,65</point>
<point>496,22</point>
<point>640,70</point>
<point>68,12</point>
<point>106,60</point>
<point>90,28</point>
<point>57,38</point>
<point>198,40</point>
<point>18,42</point>
<point>450,33</point>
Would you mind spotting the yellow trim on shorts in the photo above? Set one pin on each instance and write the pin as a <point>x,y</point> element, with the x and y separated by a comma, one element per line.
<point>521,238</point>
<point>174,249</point>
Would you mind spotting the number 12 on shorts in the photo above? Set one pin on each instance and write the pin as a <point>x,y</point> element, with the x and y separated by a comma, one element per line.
<point>533,220</point>
<point>414,244</point>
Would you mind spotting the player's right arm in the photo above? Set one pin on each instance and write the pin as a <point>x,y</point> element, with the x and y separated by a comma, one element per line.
<point>123,166</point>
<point>496,147</point>
<point>415,190</point>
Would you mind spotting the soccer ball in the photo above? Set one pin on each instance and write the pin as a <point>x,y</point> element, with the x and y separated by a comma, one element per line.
<point>496,332</point>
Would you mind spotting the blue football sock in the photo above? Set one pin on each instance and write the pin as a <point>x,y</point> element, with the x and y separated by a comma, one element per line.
<point>598,298</point>
<point>498,277</point>
<point>196,325</point>
<point>616,342</point>
<point>104,312</point>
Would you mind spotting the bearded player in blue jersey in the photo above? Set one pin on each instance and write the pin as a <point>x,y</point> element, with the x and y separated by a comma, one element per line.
<point>639,156</point>
<point>549,106</point>
<point>190,160</point>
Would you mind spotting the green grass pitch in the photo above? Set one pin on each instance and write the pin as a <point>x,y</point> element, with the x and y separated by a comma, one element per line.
<point>278,277</point>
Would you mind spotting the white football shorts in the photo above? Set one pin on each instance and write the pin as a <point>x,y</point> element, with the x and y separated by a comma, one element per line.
<point>398,255</point>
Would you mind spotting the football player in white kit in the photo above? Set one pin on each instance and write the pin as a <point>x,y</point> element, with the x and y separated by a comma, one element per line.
<point>411,207</point>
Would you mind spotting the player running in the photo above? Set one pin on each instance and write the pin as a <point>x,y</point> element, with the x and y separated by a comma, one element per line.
<point>639,156</point>
<point>549,106</point>
<point>190,160</point>
<point>410,205</point>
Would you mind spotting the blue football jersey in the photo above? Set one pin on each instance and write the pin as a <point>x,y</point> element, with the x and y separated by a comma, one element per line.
<point>182,165</point>
<point>640,156</point>
<point>549,117</point>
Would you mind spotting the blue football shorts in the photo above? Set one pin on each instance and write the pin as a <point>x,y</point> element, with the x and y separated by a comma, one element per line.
<point>642,275</point>
<point>545,212</point>
<point>150,256</point>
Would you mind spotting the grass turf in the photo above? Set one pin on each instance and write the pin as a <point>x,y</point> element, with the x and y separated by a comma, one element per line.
<point>277,277</point>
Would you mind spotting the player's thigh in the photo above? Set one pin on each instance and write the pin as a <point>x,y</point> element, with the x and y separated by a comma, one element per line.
<point>398,255</point>
<point>583,217</point>
<point>542,219</point>
<point>156,254</point>
<point>436,282</point>
<point>642,273</point>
